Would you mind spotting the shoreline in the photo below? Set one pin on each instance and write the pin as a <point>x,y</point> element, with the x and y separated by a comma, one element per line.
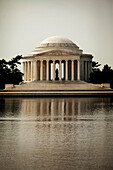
<point>104,93</point>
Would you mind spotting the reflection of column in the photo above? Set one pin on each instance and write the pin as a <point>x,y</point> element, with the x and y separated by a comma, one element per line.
<point>53,70</point>
<point>66,73</point>
<point>60,70</point>
<point>59,108</point>
<point>62,109</point>
<point>73,113</point>
<point>72,70</point>
<point>41,109</point>
<point>79,110</point>
<point>31,71</point>
<point>41,70</point>
<point>52,109</point>
<point>47,70</point>
<point>67,103</point>
<point>48,109</point>
<point>78,72</point>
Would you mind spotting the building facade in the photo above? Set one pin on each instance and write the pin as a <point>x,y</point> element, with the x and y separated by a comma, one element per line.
<point>57,59</point>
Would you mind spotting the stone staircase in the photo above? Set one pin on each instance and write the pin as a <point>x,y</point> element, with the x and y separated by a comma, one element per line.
<point>56,86</point>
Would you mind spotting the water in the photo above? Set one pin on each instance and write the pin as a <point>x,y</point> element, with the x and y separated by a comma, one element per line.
<point>56,134</point>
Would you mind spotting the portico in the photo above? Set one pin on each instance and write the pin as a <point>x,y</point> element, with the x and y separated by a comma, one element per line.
<point>47,70</point>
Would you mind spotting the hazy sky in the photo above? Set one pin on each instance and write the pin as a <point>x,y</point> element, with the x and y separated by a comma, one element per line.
<point>88,23</point>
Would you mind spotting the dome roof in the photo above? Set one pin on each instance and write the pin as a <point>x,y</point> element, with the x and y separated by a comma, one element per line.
<point>57,43</point>
<point>56,39</point>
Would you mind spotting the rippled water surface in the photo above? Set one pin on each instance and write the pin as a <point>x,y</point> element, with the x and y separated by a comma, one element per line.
<point>56,133</point>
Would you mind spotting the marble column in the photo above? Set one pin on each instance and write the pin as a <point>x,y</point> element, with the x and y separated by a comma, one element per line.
<point>53,70</point>
<point>81,70</point>
<point>31,71</point>
<point>47,70</point>
<point>41,70</point>
<point>90,66</point>
<point>78,72</point>
<point>66,70</point>
<point>86,70</point>
<point>72,70</point>
<point>23,67</point>
<point>24,70</point>
<point>60,70</point>
<point>28,71</point>
<point>35,70</point>
<point>89,70</point>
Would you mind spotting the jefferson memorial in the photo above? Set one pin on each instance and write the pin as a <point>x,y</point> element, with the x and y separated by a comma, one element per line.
<point>57,59</point>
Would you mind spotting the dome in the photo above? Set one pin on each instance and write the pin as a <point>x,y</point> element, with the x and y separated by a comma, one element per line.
<point>57,43</point>
<point>57,39</point>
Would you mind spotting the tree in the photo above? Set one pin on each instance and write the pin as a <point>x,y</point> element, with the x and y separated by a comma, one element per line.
<point>95,65</point>
<point>107,74</point>
<point>9,73</point>
<point>97,76</point>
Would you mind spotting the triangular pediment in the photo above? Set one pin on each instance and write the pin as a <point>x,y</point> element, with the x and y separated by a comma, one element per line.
<point>57,53</point>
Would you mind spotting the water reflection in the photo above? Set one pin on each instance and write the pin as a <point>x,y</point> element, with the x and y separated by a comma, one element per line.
<point>53,109</point>
<point>56,133</point>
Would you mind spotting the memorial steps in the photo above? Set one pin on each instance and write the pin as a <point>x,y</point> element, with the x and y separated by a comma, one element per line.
<point>48,86</point>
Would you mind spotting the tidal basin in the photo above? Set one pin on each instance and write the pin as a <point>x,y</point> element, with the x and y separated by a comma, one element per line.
<point>56,133</point>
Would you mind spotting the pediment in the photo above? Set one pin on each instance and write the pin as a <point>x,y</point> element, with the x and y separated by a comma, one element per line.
<point>57,53</point>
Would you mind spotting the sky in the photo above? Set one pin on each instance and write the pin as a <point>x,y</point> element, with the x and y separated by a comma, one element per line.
<point>24,24</point>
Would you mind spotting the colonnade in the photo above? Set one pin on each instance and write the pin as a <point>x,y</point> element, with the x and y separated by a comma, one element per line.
<point>46,70</point>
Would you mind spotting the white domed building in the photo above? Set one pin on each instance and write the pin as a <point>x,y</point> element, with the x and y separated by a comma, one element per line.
<point>57,59</point>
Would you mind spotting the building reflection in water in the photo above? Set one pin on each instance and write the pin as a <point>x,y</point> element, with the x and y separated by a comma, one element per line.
<point>52,109</point>
<point>59,109</point>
